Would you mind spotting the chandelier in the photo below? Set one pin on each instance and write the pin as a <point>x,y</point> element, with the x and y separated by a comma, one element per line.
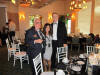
<point>76,5</point>
<point>24,3</point>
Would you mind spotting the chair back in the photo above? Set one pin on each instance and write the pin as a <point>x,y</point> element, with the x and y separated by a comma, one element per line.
<point>90,49</point>
<point>89,41</point>
<point>37,61</point>
<point>7,43</point>
<point>13,45</point>
<point>75,40</point>
<point>17,47</point>
<point>62,53</point>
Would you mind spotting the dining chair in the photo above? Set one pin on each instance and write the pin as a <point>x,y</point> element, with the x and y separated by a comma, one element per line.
<point>11,48</point>
<point>21,55</point>
<point>89,49</point>
<point>75,43</point>
<point>97,47</point>
<point>37,61</point>
<point>62,53</point>
<point>87,42</point>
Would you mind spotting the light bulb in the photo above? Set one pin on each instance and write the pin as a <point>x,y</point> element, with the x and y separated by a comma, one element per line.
<point>73,2</point>
<point>85,6</point>
<point>70,7</point>
<point>84,2</point>
<point>75,5</point>
<point>79,5</point>
<point>33,2</point>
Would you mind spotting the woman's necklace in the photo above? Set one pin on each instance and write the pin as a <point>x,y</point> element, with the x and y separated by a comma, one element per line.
<point>48,37</point>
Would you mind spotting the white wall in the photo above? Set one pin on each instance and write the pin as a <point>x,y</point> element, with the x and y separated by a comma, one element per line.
<point>84,19</point>
<point>96,26</point>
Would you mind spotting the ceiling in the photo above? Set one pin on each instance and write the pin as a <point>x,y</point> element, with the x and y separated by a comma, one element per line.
<point>37,3</point>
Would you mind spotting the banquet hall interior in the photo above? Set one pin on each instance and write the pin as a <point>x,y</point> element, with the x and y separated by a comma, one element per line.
<point>82,21</point>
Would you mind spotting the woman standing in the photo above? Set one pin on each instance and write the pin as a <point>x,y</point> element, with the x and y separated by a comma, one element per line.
<point>48,51</point>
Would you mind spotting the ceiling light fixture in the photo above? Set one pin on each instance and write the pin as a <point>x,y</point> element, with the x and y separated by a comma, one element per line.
<point>13,1</point>
<point>76,5</point>
<point>24,3</point>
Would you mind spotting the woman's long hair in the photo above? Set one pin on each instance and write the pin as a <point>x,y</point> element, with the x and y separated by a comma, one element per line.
<point>44,29</point>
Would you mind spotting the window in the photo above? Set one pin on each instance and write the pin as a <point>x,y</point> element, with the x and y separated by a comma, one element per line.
<point>31,19</point>
<point>69,27</point>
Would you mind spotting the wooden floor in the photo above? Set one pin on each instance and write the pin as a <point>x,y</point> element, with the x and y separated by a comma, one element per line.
<point>6,67</point>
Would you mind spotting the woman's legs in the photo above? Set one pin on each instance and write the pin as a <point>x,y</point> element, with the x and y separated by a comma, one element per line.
<point>44,62</point>
<point>49,65</point>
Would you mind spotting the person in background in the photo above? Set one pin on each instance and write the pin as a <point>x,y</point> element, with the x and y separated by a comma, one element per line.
<point>48,50</point>
<point>92,36</point>
<point>4,35</point>
<point>0,40</point>
<point>97,38</point>
<point>7,28</point>
<point>59,36</point>
<point>12,28</point>
<point>35,41</point>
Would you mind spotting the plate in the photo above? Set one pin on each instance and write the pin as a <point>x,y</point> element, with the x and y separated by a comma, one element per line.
<point>80,62</point>
<point>60,72</point>
<point>76,68</point>
<point>82,56</point>
<point>65,60</point>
